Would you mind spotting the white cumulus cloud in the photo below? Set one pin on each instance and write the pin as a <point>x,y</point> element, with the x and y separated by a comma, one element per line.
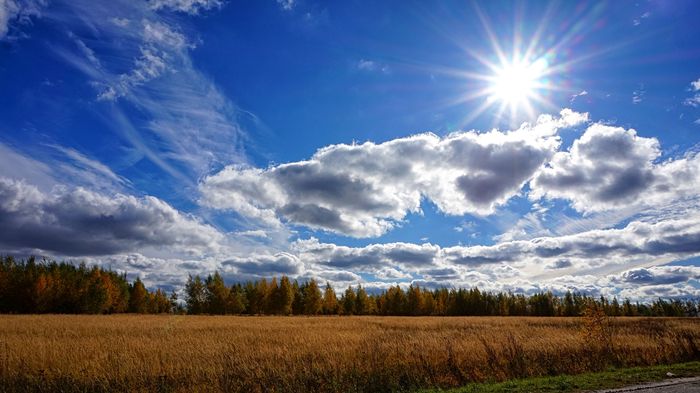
<point>365,190</point>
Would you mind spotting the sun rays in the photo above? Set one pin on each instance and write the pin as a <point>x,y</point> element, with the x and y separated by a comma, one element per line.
<point>513,77</point>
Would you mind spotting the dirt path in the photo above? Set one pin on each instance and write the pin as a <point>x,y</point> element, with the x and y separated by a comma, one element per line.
<point>681,385</point>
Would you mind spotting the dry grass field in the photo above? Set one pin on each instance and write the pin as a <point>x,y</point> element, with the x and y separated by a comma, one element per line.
<point>325,354</point>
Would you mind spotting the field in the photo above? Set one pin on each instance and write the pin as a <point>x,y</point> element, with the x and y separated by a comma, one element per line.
<point>325,354</point>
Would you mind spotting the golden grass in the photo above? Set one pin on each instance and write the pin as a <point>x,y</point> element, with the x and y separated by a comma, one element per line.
<point>329,354</point>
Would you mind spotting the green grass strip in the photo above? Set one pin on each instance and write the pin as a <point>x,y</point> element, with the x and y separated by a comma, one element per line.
<point>614,378</point>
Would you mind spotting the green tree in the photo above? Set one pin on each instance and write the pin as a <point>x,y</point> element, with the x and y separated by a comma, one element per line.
<point>569,305</point>
<point>348,301</point>
<point>298,302</point>
<point>362,305</point>
<point>237,299</point>
<point>216,294</point>
<point>195,295</point>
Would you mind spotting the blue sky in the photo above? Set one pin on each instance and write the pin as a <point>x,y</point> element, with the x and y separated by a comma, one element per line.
<point>516,146</point>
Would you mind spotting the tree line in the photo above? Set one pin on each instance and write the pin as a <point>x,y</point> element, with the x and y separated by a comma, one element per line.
<point>52,287</point>
<point>29,287</point>
<point>287,297</point>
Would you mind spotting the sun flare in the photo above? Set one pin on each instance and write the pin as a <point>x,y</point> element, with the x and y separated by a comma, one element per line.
<point>514,84</point>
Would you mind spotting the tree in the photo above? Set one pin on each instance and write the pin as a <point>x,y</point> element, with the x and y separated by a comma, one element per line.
<point>51,287</point>
<point>237,299</point>
<point>362,305</point>
<point>216,294</point>
<point>330,300</point>
<point>175,306</point>
<point>298,302</point>
<point>97,300</point>
<point>348,301</point>
<point>138,297</point>
<point>159,302</point>
<point>258,296</point>
<point>283,297</point>
<point>569,305</point>
<point>395,301</point>
<point>312,298</point>
<point>195,295</point>
<point>415,300</point>
<point>43,295</point>
<point>262,291</point>
<point>615,309</point>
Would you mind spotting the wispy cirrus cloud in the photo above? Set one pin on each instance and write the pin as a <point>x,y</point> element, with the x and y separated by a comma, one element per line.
<point>16,13</point>
<point>582,93</point>
<point>694,101</point>
<point>638,94</point>
<point>187,6</point>
<point>8,11</point>
<point>137,53</point>
<point>59,165</point>
<point>286,5</point>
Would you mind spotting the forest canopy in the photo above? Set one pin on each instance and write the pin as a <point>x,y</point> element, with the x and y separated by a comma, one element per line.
<point>47,286</point>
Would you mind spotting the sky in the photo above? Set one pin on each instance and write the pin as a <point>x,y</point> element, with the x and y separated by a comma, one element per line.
<point>509,146</point>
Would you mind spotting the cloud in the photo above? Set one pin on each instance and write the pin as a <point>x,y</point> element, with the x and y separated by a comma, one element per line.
<point>365,190</point>
<point>694,101</point>
<point>18,166</point>
<point>606,167</point>
<point>582,93</point>
<point>367,65</point>
<point>594,261</point>
<point>338,276</point>
<point>611,168</point>
<point>17,13</point>
<point>371,65</point>
<point>286,5</point>
<point>187,6</point>
<point>160,42</point>
<point>136,52</point>
<point>638,21</point>
<point>265,266</point>
<point>257,233</point>
<point>375,255</point>
<point>560,264</point>
<point>87,171</point>
<point>82,222</point>
<point>8,10</point>
<point>443,274</point>
<point>59,165</point>
<point>638,95</point>
<point>654,282</point>
<point>695,85</point>
<point>661,275</point>
<point>390,274</point>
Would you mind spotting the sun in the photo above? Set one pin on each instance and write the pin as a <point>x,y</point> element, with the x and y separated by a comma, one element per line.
<point>513,79</point>
<point>512,74</point>
<point>514,87</point>
<point>515,83</point>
